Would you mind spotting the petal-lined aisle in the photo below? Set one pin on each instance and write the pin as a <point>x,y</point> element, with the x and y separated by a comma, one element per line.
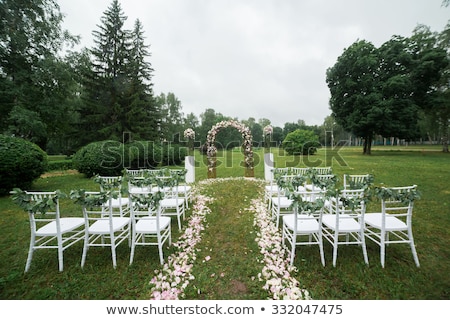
<point>229,249</point>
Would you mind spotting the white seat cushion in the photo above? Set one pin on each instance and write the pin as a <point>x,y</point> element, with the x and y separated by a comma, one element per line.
<point>148,225</point>
<point>345,224</point>
<point>392,223</point>
<point>285,202</point>
<point>102,226</point>
<point>303,226</point>
<point>67,224</point>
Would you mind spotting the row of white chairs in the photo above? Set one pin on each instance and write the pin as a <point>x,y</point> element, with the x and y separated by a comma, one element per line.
<point>343,220</point>
<point>109,223</point>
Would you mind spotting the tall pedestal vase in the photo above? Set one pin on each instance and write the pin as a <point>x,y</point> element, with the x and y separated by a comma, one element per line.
<point>268,166</point>
<point>189,165</point>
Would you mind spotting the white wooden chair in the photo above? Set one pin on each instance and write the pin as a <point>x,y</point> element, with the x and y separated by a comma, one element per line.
<point>149,227</point>
<point>272,189</point>
<point>304,227</point>
<point>51,231</point>
<point>344,225</point>
<point>281,204</point>
<point>184,189</point>
<point>102,227</point>
<point>172,204</point>
<point>393,225</point>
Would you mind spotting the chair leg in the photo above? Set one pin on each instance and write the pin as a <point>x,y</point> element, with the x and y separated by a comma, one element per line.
<point>414,253</point>
<point>30,256</point>
<point>334,255</point>
<point>382,249</point>
<point>161,257</point>
<point>60,258</point>
<point>133,245</point>
<point>322,255</point>
<point>113,253</point>
<point>364,248</point>
<point>335,249</point>
<point>85,249</point>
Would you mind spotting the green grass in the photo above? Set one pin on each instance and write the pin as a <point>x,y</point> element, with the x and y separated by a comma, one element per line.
<point>229,239</point>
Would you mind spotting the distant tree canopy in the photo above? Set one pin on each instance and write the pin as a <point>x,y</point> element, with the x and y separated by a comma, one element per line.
<point>381,90</point>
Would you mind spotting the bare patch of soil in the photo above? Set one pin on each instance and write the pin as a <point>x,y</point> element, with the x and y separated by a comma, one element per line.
<point>59,173</point>
<point>238,287</point>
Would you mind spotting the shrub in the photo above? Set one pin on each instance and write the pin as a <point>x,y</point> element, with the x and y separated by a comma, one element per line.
<point>60,165</point>
<point>102,157</point>
<point>142,155</point>
<point>21,162</point>
<point>301,142</point>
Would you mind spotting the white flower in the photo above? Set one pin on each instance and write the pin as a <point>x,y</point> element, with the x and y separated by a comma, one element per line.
<point>189,134</point>
<point>268,130</point>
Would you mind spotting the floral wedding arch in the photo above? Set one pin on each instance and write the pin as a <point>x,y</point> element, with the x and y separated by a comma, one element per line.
<point>246,146</point>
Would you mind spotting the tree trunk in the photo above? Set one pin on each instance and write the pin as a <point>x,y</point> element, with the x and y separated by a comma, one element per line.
<point>367,145</point>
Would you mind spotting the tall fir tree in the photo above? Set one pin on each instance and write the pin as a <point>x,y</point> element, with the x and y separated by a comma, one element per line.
<point>143,114</point>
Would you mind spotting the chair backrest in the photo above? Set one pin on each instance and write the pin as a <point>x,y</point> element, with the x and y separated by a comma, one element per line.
<point>349,204</point>
<point>355,181</point>
<point>101,209</point>
<point>110,182</point>
<point>299,171</point>
<point>322,180</point>
<point>311,206</point>
<point>139,183</point>
<point>323,170</point>
<point>134,172</point>
<point>141,204</point>
<point>400,205</point>
<point>286,181</point>
<point>311,197</point>
<point>145,204</point>
<point>45,209</point>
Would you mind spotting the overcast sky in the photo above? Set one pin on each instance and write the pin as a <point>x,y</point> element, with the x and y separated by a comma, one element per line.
<point>255,58</point>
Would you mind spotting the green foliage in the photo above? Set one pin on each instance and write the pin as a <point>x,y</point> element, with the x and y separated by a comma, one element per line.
<point>103,158</point>
<point>380,90</point>
<point>301,142</point>
<point>91,200</point>
<point>142,155</point>
<point>117,83</point>
<point>21,162</point>
<point>42,205</point>
<point>173,154</point>
<point>35,82</point>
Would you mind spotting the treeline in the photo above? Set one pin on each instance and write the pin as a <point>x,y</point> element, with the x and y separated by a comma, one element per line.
<point>63,99</point>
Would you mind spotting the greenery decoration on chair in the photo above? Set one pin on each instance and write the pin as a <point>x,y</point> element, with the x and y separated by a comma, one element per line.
<point>25,201</point>
<point>386,193</point>
<point>92,200</point>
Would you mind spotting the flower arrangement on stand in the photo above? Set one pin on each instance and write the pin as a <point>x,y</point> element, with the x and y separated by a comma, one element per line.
<point>189,134</point>
<point>268,131</point>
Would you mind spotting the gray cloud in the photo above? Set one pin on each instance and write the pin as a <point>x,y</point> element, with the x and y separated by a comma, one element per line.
<point>260,58</point>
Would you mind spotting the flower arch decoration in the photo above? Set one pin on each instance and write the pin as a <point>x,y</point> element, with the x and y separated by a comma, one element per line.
<point>246,146</point>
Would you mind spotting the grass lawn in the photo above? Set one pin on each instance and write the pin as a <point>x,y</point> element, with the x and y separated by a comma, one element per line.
<point>229,239</point>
